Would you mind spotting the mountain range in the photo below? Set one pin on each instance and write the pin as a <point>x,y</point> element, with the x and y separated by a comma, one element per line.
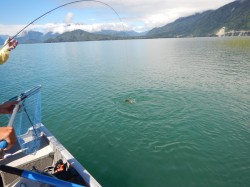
<point>230,19</point>
<point>233,16</point>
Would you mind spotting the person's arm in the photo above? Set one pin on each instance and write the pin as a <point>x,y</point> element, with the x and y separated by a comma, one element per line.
<point>7,47</point>
<point>7,107</point>
<point>4,55</point>
<point>8,133</point>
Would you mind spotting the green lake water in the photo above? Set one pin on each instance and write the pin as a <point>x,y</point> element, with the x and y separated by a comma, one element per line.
<point>188,123</point>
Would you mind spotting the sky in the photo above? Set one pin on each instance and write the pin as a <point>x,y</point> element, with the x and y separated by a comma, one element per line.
<point>137,15</point>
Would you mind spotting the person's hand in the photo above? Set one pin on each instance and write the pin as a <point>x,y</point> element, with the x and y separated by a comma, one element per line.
<point>10,44</point>
<point>8,134</point>
<point>7,107</point>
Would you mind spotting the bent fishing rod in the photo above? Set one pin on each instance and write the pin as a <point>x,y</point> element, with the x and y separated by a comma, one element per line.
<point>66,4</point>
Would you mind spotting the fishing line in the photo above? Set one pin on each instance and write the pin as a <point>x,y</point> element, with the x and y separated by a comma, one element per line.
<point>66,4</point>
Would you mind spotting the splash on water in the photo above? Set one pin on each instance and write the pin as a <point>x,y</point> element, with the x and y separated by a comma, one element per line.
<point>129,101</point>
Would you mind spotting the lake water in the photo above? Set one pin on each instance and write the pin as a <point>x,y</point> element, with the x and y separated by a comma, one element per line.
<point>188,123</point>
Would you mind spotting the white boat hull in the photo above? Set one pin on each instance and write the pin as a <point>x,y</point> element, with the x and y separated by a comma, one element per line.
<point>50,150</point>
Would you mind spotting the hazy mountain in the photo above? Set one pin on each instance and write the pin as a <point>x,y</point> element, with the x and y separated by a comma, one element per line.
<point>3,38</point>
<point>1,41</point>
<point>30,37</point>
<point>80,35</point>
<point>50,35</point>
<point>35,37</point>
<point>120,33</point>
<point>233,16</point>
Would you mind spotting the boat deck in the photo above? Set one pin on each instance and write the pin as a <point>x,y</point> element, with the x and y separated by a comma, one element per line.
<point>49,152</point>
<point>17,156</point>
<point>42,158</point>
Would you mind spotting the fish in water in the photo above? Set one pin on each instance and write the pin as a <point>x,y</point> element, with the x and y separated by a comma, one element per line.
<point>129,100</point>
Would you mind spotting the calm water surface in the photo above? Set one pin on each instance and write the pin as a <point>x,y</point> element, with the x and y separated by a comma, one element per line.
<point>188,124</point>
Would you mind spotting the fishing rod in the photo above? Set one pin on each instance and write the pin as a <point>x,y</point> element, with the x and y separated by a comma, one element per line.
<point>3,143</point>
<point>66,4</point>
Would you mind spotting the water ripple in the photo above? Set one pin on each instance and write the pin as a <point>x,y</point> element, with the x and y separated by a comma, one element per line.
<point>151,104</point>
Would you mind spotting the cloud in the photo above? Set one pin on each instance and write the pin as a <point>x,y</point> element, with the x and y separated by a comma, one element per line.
<point>69,17</point>
<point>63,27</point>
<point>138,15</point>
<point>160,12</point>
<point>10,29</point>
<point>153,13</point>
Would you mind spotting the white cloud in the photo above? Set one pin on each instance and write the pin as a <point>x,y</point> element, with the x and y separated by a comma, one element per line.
<point>10,29</point>
<point>60,28</point>
<point>139,15</point>
<point>63,27</point>
<point>69,17</point>
<point>160,12</point>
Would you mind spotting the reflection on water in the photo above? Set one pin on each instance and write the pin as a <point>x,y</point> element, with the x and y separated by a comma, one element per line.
<point>237,43</point>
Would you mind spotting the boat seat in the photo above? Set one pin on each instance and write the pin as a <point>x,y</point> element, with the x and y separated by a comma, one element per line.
<point>41,159</point>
